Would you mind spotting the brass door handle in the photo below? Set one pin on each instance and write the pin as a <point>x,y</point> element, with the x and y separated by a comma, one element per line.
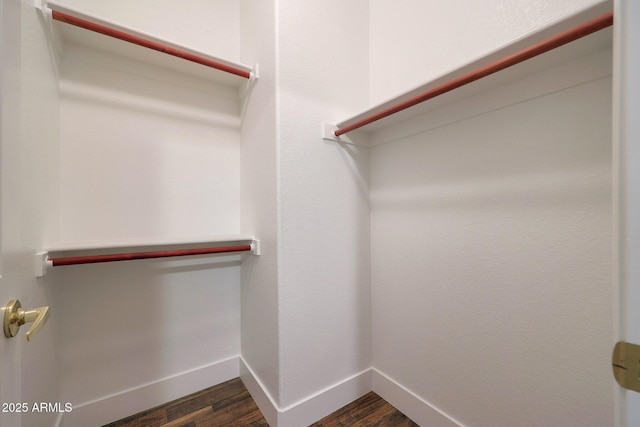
<point>16,316</point>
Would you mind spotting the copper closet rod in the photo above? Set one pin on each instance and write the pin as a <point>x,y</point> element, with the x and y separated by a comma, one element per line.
<point>88,25</point>
<point>90,259</point>
<point>591,26</point>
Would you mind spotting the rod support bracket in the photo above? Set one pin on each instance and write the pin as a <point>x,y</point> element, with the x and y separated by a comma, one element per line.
<point>255,247</point>
<point>42,263</point>
<point>327,132</point>
<point>40,4</point>
<point>246,92</point>
<point>255,74</point>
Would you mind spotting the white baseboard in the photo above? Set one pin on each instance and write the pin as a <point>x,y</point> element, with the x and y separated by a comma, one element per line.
<point>313,408</point>
<point>305,412</point>
<point>259,393</point>
<point>308,410</point>
<point>128,402</point>
<point>419,410</point>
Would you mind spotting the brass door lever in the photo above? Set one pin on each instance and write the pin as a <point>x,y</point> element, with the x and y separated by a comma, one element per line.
<point>16,316</point>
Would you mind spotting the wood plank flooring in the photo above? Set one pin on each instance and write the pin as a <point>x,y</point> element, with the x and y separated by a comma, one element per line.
<point>369,410</point>
<point>230,404</point>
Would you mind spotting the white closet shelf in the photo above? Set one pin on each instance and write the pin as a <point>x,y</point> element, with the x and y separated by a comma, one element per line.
<point>85,252</point>
<point>443,90</point>
<point>121,244</point>
<point>158,52</point>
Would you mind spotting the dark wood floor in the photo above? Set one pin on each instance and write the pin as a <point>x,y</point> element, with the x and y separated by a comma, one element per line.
<point>369,410</point>
<point>230,404</point>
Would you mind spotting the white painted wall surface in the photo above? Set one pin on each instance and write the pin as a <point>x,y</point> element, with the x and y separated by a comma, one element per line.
<point>491,261</point>
<point>124,325</point>
<point>415,41</point>
<point>144,156</point>
<point>306,319</point>
<point>145,153</point>
<point>259,204</point>
<point>323,245</point>
<point>209,26</point>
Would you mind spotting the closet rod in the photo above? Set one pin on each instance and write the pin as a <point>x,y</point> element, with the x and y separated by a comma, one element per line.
<point>90,259</point>
<point>88,25</point>
<point>591,26</point>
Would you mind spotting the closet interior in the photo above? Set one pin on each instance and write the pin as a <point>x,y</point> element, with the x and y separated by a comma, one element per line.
<point>452,254</point>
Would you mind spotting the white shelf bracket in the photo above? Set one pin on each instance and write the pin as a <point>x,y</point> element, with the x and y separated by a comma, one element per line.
<point>47,20</point>
<point>327,133</point>
<point>41,4</point>
<point>255,247</point>
<point>248,89</point>
<point>42,263</point>
<point>47,14</point>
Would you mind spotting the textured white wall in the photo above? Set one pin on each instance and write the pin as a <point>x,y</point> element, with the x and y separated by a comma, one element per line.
<point>305,307</point>
<point>123,325</point>
<point>144,153</point>
<point>414,41</point>
<point>491,261</point>
<point>259,198</point>
<point>323,245</point>
<point>143,156</point>
<point>491,236</point>
<point>210,26</point>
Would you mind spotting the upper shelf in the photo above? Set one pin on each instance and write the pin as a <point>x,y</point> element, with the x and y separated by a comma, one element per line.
<point>119,245</point>
<point>78,27</point>
<point>87,252</point>
<point>550,46</point>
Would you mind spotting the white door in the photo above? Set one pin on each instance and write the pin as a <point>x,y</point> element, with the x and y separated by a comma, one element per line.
<point>627,189</point>
<point>10,349</point>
